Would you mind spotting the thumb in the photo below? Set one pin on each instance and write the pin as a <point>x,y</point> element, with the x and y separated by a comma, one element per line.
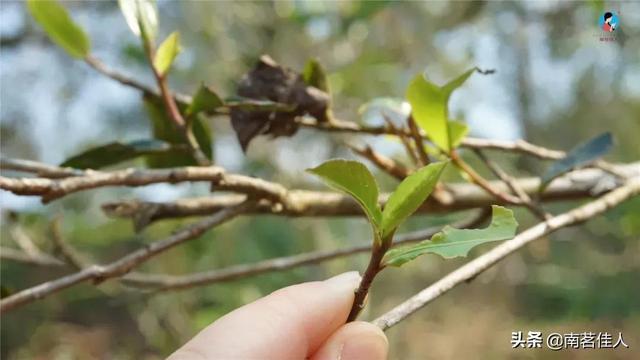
<point>291,323</point>
<point>354,341</point>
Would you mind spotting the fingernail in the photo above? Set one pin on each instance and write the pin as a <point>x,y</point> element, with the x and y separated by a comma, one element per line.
<point>349,280</point>
<point>370,346</point>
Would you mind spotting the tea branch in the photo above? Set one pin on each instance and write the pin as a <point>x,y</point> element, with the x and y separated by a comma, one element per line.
<point>473,268</point>
<point>119,267</point>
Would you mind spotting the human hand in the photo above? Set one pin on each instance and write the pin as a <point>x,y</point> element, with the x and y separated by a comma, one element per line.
<point>304,321</point>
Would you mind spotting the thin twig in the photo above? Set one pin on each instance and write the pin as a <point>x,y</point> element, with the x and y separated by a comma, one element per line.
<point>483,262</point>
<point>11,254</point>
<point>418,141</point>
<point>384,163</point>
<point>102,68</point>
<point>24,242</point>
<point>120,267</point>
<point>172,109</point>
<point>70,255</point>
<point>400,132</point>
<point>162,282</point>
<point>482,182</point>
<point>518,146</point>
<point>535,208</point>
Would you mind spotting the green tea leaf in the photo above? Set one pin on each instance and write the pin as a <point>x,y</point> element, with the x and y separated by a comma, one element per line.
<point>354,179</point>
<point>409,195</point>
<point>163,129</point>
<point>457,132</point>
<point>205,100</point>
<point>141,16</point>
<point>451,242</point>
<point>166,53</point>
<point>578,156</point>
<point>429,106</point>
<point>62,30</point>
<point>315,75</point>
<point>115,152</point>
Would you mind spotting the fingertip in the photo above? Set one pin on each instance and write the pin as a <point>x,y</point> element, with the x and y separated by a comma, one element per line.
<point>355,341</point>
<point>304,314</point>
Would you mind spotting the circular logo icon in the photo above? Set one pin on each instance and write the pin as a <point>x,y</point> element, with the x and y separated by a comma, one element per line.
<point>609,21</point>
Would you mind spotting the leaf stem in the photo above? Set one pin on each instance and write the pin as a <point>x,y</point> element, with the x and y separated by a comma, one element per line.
<point>173,111</point>
<point>377,253</point>
<point>482,182</point>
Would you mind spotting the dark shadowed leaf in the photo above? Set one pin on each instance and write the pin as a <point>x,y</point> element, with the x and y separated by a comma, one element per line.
<point>578,156</point>
<point>115,152</point>
<point>57,23</point>
<point>451,242</point>
<point>315,75</point>
<point>166,53</point>
<point>163,129</point>
<point>354,179</point>
<point>270,81</point>
<point>409,195</point>
<point>205,100</point>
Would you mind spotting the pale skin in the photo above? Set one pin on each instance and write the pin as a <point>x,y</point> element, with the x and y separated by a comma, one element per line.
<point>304,321</point>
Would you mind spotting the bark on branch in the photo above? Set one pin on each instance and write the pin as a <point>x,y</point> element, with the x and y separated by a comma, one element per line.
<point>577,184</point>
<point>51,189</point>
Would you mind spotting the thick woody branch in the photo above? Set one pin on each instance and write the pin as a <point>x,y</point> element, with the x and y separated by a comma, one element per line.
<point>123,265</point>
<point>51,189</point>
<point>575,185</point>
<point>485,261</point>
<point>37,168</point>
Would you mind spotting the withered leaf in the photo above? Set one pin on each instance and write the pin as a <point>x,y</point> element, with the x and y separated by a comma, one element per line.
<point>272,82</point>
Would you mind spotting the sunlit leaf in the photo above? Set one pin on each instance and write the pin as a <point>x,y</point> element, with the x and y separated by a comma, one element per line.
<point>115,152</point>
<point>205,100</point>
<point>139,13</point>
<point>354,179</point>
<point>166,53</point>
<point>578,156</point>
<point>62,30</point>
<point>429,106</point>
<point>457,132</point>
<point>409,195</point>
<point>451,242</point>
